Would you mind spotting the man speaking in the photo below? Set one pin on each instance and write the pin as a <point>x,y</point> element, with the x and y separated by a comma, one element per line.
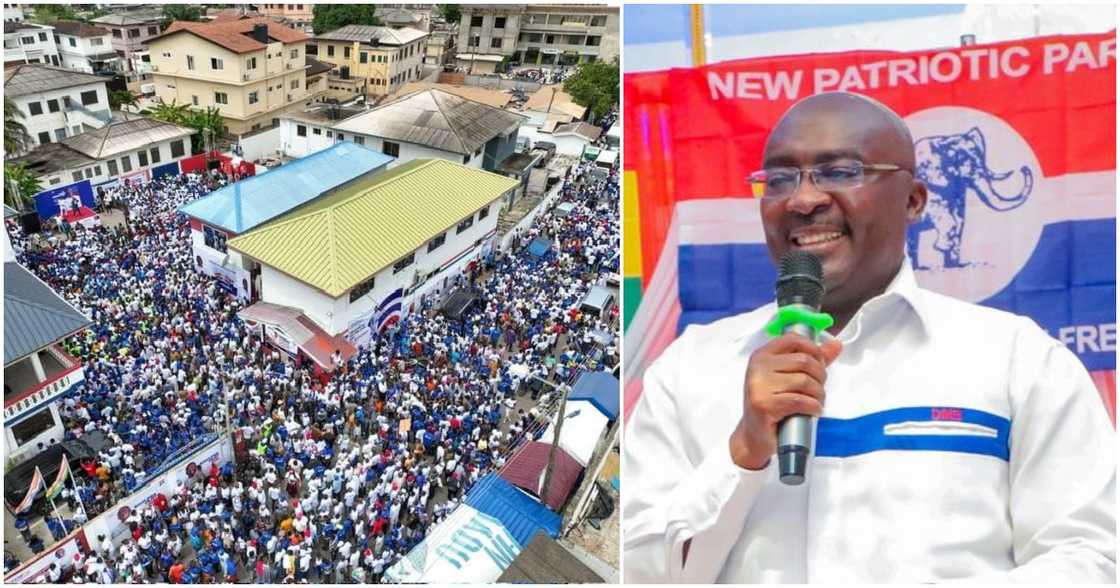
<point>953,441</point>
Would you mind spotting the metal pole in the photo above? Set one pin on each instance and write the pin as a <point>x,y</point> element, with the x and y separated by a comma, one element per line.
<point>555,442</point>
<point>82,503</point>
<point>57,516</point>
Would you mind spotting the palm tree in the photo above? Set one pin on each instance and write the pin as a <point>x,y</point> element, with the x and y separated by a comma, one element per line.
<point>210,126</point>
<point>22,185</point>
<point>16,137</point>
<point>121,98</point>
<point>173,113</point>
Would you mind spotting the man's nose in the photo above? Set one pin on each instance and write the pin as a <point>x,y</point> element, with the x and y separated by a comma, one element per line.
<point>808,197</point>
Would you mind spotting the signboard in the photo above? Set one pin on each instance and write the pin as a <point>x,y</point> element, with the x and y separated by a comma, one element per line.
<point>280,339</point>
<point>136,178</point>
<point>49,203</point>
<point>62,553</point>
<point>467,547</point>
<point>170,169</point>
<point>230,278</point>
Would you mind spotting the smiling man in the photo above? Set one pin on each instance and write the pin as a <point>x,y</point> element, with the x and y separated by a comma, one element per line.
<point>954,441</point>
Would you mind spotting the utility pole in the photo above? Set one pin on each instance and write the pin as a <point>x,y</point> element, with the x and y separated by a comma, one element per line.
<point>564,388</point>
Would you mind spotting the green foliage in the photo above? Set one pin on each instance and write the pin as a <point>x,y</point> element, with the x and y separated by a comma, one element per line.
<point>329,17</point>
<point>119,98</point>
<point>172,113</point>
<point>596,86</point>
<point>48,13</point>
<point>208,124</point>
<point>20,186</point>
<point>16,138</point>
<point>450,12</point>
<point>173,12</point>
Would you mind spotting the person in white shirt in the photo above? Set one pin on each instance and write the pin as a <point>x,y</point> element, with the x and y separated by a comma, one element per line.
<point>955,442</point>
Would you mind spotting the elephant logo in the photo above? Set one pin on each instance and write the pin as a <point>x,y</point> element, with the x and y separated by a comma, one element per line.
<point>955,167</point>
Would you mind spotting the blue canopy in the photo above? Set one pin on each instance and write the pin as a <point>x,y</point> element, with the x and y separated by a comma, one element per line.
<point>540,246</point>
<point>600,389</point>
<point>521,514</point>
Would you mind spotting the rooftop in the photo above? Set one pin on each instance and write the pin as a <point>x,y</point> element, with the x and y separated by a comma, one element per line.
<point>316,67</point>
<point>495,98</point>
<point>235,35</point>
<point>253,201</point>
<point>120,20</point>
<point>343,238</point>
<point>323,113</point>
<point>119,137</point>
<point>437,119</point>
<point>34,315</point>
<point>553,99</point>
<point>52,157</point>
<point>373,35</point>
<point>34,78</point>
<point>15,27</point>
<point>78,29</point>
<point>586,130</point>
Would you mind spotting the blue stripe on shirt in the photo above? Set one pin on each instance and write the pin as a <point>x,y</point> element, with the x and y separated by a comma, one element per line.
<point>865,434</point>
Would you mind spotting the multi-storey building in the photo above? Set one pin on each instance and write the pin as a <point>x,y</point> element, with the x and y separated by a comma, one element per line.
<point>300,15</point>
<point>56,103</point>
<point>440,47</point>
<point>85,47</point>
<point>26,42</point>
<point>13,13</point>
<point>543,34</point>
<point>381,57</point>
<point>400,18</point>
<point>130,33</point>
<point>251,70</point>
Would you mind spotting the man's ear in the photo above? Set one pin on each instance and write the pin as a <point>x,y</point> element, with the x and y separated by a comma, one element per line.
<point>916,202</point>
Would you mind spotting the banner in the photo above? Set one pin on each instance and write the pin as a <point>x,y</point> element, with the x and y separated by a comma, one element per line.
<point>50,203</point>
<point>170,169</point>
<point>37,485</point>
<point>362,330</point>
<point>230,278</point>
<point>1015,140</point>
<point>59,480</point>
<point>468,547</point>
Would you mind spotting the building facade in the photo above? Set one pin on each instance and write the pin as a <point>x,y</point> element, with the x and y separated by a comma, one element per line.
<point>251,70</point>
<point>300,15</point>
<point>13,13</point>
<point>86,48</point>
<point>57,103</point>
<point>26,42</point>
<point>440,48</point>
<point>130,34</point>
<point>382,58</point>
<point>541,34</point>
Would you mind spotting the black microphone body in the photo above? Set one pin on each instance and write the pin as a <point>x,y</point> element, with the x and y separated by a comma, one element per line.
<point>801,285</point>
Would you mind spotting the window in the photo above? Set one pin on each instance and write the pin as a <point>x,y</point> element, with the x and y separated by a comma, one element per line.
<point>330,134</point>
<point>363,57</point>
<point>404,262</point>
<point>153,30</point>
<point>550,39</point>
<point>71,41</point>
<point>60,134</point>
<point>96,170</point>
<point>466,158</point>
<point>112,165</point>
<point>216,63</point>
<point>496,43</point>
<point>465,224</point>
<point>155,155</point>
<point>575,39</point>
<point>341,136</point>
<point>221,98</point>
<point>194,100</point>
<point>361,290</point>
<point>89,98</point>
<point>360,140</point>
<point>117,33</point>
<point>126,163</point>
<point>295,84</point>
<point>316,131</point>
<point>177,149</point>
<point>166,54</point>
<point>133,33</point>
<point>499,22</point>
<point>534,37</point>
<point>96,42</point>
<point>473,41</point>
<point>485,212</point>
<point>36,108</point>
<point>295,53</point>
<point>143,157</point>
<point>435,243</point>
<point>77,176</point>
<point>251,63</point>
<point>42,36</point>
<point>214,238</point>
<point>599,21</point>
<point>346,53</point>
<point>33,426</point>
<point>476,21</point>
<point>330,50</point>
<point>312,49</point>
<point>391,149</point>
<point>301,131</point>
<point>253,98</point>
<point>593,41</point>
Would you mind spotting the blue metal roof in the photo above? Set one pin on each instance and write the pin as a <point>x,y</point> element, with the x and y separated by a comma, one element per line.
<point>600,389</point>
<point>519,513</point>
<point>34,315</point>
<point>243,205</point>
<point>540,246</point>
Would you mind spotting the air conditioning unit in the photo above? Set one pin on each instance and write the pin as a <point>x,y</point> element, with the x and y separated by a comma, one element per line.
<point>155,68</point>
<point>245,77</point>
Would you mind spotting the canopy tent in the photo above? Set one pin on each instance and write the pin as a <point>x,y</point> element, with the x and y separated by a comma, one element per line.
<point>290,329</point>
<point>539,247</point>
<point>584,424</point>
<point>527,469</point>
<point>520,514</point>
<point>545,561</point>
<point>458,303</point>
<point>598,388</point>
<point>565,208</point>
<point>468,547</point>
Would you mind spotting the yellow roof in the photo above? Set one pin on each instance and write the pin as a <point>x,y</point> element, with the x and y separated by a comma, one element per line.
<point>340,239</point>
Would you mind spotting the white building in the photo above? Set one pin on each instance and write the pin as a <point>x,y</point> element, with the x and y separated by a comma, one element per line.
<point>126,149</point>
<point>570,139</point>
<point>85,47</point>
<point>57,103</point>
<point>37,371</point>
<point>434,123</point>
<point>364,255</point>
<point>26,42</point>
<point>13,13</point>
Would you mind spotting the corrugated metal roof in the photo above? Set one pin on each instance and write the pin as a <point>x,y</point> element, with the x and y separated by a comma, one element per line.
<point>436,119</point>
<point>345,237</point>
<point>51,157</point>
<point>600,389</point>
<point>526,470</point>
<point>495,98</point>
<point>371,34</point>
<point>253,201</point>
<point>519,513</point>
<point>9,211</point>
<point>235,35</point>
<point>544,561</point>
<point>585,130</point>
<point>78,29</point>
<point>125,136</point>
<point>34,315</point>
<point>34,78</point>
<point>127,19</point>
<point>552,99</point>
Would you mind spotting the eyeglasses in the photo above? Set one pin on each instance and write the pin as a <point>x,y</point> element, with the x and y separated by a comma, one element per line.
<point>778,183</point>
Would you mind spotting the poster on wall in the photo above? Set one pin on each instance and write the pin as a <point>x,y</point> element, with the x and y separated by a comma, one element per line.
<point>280,339</point>
<point>52,202</point>
<point>232,279</point>
<point>136,178</point>
<point>62,554</point>
<point>170,169</point>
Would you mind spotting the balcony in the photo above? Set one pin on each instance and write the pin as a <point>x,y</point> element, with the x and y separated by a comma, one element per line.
<point>25,391</point>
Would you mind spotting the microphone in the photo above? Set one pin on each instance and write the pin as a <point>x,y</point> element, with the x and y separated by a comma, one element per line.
<point>799,290</point>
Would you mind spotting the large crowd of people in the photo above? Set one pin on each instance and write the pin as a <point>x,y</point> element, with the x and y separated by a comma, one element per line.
<point>343,474</point>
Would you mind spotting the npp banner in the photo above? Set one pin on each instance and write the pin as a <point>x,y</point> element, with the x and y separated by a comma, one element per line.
<point>1016,142</point>
<point>50,203</point>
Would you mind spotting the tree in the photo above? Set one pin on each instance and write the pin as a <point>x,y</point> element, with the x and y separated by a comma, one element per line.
<point>450,12</point>
<point>329,17</point>
<point>173,113</point>
<point>16,137</point>
<point>173,12</point>
<point>595,85</point>
<point>49,13</point>
<point>210,126</point>
<point>21,186</point>
<point>120,98</point>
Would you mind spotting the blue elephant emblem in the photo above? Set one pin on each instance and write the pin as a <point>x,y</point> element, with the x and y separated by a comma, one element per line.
<point>952,167</point>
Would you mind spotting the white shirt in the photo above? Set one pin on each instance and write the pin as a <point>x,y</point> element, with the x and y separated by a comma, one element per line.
<point>1009,473</point>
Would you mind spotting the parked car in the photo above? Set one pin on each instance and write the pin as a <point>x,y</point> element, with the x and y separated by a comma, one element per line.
<point>548,148</point>
<point>49,461</point>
